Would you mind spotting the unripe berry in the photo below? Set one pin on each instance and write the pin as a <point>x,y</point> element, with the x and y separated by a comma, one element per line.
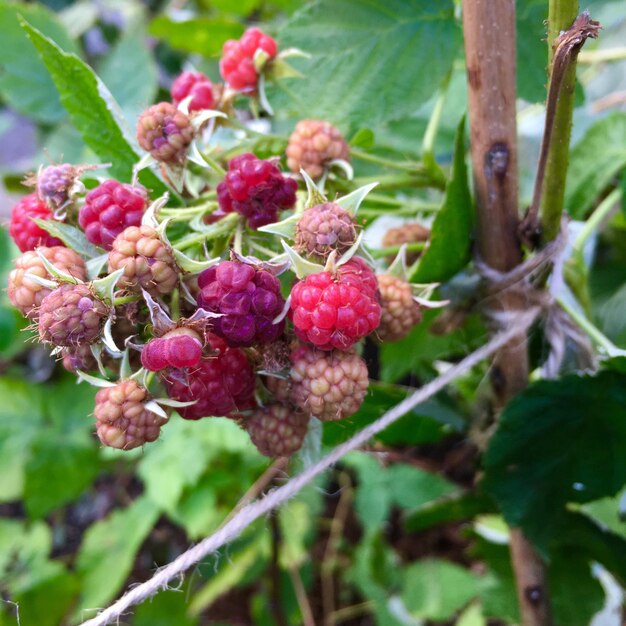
<point>165,132</point>
<point>329,385</point>
<point>196,85</point>
<point>26,294</point>
<point>220,384</point>
<point>256,189</point>
<point>24,231</point>
<point>79,358</point>
<point>324,228</point>
<point>71,315</point>
<point>109,209</point>
<point>147,261</point>
<point>407,233</point>
<point>277,429</point>
<point>248,300</point>
<point>400,312</point>
<point>122,420</point>
<point>55,182</point>
<point>312,145</point>
<point>179,348</point>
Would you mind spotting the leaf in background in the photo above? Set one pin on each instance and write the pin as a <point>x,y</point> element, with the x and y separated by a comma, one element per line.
<point>532,50</point>
<point>92,110</point>
<point>166,608</point>
<point>130,73</point>
<point>558,442</point>
<point>201,35</point>
<point>24,81</point>
<point>54,478</point>
<point>448,250</point>
<point>108,551</point>
<point>21,420</point>
<point>436,589</point>
<point>399,485</point>
<point>594,161</point>
<point>353,44</point>
<point>416,353</point>
<point>428,422</point>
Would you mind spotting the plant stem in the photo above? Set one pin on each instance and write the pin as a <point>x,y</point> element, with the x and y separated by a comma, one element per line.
<point>213,164</point>
<point>489,29</point>
<point>561,15</point>
<point>374,158</point>
<point>379,253</point>
<point>601,56</point>
<point>125,300</point>
<point>601,340</point>
<point>596,218</point>
<point>224,227</point>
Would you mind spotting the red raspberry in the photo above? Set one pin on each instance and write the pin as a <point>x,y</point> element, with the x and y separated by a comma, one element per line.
<point>198,86</point>
<point>178,348</point>
<point>25,294</point>
<point>335,310</point>
<point>147,261</point>
<point>237,62</point>
<point>329,385</point>
<point>256,189</point>
<point>220,384</point>
<point>26,234</point>
<point>122,420</point>
<point>400,312</point>
<point>249,299</point>
<point>324,228</point>
<point>312,145</point>
<point>165,132</point>
<point>277,429</point>
<point>71,315</point>
<point>109,209</point>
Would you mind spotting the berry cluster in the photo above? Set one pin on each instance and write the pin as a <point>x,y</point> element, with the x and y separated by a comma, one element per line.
<point>207,333</point>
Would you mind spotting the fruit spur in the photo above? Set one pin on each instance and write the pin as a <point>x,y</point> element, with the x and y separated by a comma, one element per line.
<point>241,292</point>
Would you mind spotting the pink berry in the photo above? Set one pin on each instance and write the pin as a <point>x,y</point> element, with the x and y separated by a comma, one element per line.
<point>198,86</point>
<point>24,231</point>
<point>335,310</point>
<point>179,348</point>
<point>256,189</point>
<point>220,384</point>
<point>237,62</point>
<point>249,299</point>
<point>109,209</point>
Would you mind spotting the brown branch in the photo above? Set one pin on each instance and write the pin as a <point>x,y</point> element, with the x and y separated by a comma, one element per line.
<point>566,49</point>
<point>489,29</point>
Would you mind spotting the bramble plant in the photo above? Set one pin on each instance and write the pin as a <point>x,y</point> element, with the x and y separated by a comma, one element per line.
<point>252,234</point>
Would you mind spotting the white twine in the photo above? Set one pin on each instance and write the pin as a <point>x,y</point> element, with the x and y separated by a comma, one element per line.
<point>251,512</point>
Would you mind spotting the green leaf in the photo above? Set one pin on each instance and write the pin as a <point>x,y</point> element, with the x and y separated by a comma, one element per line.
<point>201,35</point>
<point>450,508</point>
<point>71,236</point>
<point>426,423</point>
<point>435,589</point>
<point>92,110</point>
<point>353,44</point>
<point>451,235</point>
<point>399,485</point>
<point>52,479</point>
<point>594,162</point>
<point>167,608</point>
<point>24,81</point>
<point>363,138</point>
<point>130,73</point>
<point>531,477</point>
<point>532,50</point>
<point>108,551</point>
